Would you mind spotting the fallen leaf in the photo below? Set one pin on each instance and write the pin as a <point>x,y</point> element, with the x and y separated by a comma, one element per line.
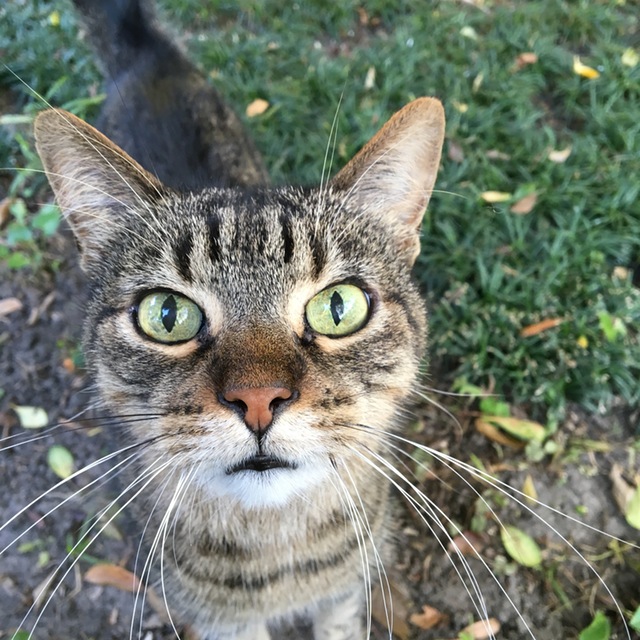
<point>9,305</point>
<point>539,327</point>
<point>31,417</point>
<point>493,433</point>
<point>626,496</point>
<point>622,273</point>
<point>461,107</point>
<point>494,154</point>
<point>526,430</point>
<point>521,546</point>
<point>469,32</point>
<point>112,575</point>
<point>455,152</point>
<point>583,70</point>
<point>469,544</point>
<point>529,489</point>
<point>482,629</point>
<point>525,59</point>
<point>370,79</point>
<point>400,600</point>
<point>495,196</point>
<point>599,629</point>
<point>630,57</point>
<point>582,342</point>
<point>430,617</point>
<point>60,461</point>
<point>525,205</point>
<point>560,155</point>
<point>256,108</point>
<point>5,211</point>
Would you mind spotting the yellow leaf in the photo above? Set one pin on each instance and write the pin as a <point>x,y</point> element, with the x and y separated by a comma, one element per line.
<point>529,488</point>
<point>630,57</point>
<point>495,196</point>
<point>256,108</point>
<point>560,155</point>
<point>525,205</point>
<point>460,106</point>
<point>54,18</point>
<point>521,429</point>
<point>582,342</point>
<point>583,70</point>
<point>111,575</point>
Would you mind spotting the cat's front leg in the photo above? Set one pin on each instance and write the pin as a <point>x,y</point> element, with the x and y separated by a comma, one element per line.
<point>340,619</point>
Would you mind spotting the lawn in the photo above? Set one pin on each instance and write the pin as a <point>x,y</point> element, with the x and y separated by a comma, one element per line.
<point>531,245</point>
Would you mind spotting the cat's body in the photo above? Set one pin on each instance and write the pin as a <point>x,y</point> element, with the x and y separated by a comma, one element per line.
<point>297,335</point>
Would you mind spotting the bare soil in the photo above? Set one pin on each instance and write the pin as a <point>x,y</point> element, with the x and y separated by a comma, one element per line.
<point>557,600</point>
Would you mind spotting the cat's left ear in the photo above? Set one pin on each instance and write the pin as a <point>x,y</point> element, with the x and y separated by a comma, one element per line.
<point>97,185</point>
<point>394,173</point>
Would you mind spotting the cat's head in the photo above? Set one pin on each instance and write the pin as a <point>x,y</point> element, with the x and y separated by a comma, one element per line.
<point>270,336</point>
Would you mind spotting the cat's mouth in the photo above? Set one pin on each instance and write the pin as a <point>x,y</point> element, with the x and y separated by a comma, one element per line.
<point>261,463</point>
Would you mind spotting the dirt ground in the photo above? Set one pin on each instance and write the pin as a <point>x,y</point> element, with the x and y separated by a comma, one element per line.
<point>37,343</point>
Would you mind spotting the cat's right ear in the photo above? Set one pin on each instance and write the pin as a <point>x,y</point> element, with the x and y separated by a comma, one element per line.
<point>96,184</point>
<point>393,175</point>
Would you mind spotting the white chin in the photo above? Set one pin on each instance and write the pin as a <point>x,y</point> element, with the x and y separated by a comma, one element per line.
<point>271,488</point>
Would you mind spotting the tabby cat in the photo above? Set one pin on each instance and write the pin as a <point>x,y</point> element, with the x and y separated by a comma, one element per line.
<point>270,336</point>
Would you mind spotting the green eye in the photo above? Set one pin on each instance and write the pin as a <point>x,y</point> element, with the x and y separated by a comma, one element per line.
<point>168,317</point>
<point>338,310</point>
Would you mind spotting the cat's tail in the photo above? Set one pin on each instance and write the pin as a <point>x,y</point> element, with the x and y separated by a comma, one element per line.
<point>122,30</point>
<point>160,108</point>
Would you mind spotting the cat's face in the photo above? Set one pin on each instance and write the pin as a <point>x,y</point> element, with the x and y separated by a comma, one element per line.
<point>269,337</point>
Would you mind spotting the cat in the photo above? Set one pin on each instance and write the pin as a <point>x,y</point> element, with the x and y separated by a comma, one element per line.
<point>272,335</point>
<point>263,442</point>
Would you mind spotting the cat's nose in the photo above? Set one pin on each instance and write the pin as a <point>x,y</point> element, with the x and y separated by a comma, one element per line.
<point>257,404</point>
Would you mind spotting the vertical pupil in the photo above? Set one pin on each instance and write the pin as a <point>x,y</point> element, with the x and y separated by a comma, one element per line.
<point>168,313</point>
<point>337,307</point>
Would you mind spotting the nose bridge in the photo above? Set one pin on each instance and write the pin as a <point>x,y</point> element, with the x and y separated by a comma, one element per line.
<point>259,356</point>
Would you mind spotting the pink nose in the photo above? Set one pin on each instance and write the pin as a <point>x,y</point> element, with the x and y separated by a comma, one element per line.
<point>257,404</point>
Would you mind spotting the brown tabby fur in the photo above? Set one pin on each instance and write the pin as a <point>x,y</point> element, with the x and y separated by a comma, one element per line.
<point>244,550</point>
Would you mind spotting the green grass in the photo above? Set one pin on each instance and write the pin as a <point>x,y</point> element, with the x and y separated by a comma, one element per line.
<point>487,271</point>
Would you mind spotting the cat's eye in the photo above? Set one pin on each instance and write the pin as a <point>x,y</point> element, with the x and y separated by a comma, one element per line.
<point>338,310</point>
<point>168,317</point>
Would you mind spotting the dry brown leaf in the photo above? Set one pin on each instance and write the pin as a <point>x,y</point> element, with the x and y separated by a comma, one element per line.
<point>469,544</point>
<point>493,433</point>
<point>256,108</point>
<point>560,155</point>
<point>524,59</point>
<point>539,327</point>
<point>429,618</point>
<point>525,205</point>
<point>455,152</point>
<point>482,629</point>
<point>400,600</point>
<point>9,305</point>
<point>112,575</point>
<point>5,212</point>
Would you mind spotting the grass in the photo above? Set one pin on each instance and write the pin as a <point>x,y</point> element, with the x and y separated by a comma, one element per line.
<point>488,272</point>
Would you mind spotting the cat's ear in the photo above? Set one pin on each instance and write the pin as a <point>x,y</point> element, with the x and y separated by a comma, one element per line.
<point>96,184</point>
<point>394,173</point>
